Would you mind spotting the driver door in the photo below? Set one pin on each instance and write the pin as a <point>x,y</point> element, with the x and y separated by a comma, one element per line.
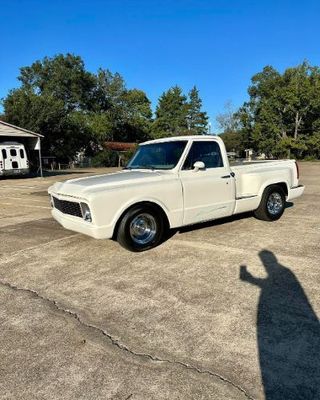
<point>209,193</point>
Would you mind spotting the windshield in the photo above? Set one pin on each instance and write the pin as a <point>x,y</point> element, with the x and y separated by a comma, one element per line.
<point>157,155</point>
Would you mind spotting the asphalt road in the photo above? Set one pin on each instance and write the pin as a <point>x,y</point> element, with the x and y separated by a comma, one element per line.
<point>227,310</point>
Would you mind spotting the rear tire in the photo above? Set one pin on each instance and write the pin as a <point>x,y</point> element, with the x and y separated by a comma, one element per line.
<point>141,228</point>
<point>272,204</point>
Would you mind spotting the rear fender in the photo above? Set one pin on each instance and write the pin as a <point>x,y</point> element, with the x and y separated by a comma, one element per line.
<point>283,184</point>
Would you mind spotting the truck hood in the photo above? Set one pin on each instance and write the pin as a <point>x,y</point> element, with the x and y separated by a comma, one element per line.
<point>83,187</point>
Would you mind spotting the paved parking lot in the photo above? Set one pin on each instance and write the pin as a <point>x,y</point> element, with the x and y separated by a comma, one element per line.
<point>227,310</point>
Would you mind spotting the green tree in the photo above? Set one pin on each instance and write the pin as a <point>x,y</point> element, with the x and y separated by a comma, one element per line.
<point>108,91</point>
<point>136,116</point>
<point>279,117</point>
<point>120,114</point>
<point>54,94</point>
<point>313,146</point>
<point>75,109</point>
<point>171,114</point>
<point>197,120</point>
<point>62,77</point>
<point>233,141</point>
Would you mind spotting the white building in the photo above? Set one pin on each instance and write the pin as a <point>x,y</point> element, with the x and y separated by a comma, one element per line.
<point>31,140</point>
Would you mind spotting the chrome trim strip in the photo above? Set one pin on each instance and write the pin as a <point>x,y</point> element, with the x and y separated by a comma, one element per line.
<point>246,197</point>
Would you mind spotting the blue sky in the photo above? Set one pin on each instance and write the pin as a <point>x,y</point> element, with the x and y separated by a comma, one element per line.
<point>216,45</point>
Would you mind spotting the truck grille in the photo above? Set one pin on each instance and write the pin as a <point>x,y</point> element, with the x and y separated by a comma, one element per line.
<point>67,207</point>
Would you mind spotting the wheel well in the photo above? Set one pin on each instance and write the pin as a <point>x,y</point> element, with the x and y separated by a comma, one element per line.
<point>284,187</point>
<point>156,206</point>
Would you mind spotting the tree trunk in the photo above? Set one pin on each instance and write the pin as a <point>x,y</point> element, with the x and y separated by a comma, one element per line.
<point>283,131</point>
<point>296,125</point>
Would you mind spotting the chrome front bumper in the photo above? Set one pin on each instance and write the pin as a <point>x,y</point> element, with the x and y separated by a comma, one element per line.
<point>77,224</point>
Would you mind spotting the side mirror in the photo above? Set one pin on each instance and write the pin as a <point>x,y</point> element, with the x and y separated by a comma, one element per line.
<point>198,165</point>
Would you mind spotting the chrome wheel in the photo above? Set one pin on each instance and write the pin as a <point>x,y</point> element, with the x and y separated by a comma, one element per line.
<point>275,203</point>
<point>143,228</point>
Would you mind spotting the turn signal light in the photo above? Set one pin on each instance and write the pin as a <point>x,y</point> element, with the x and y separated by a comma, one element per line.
<point>86,214</point>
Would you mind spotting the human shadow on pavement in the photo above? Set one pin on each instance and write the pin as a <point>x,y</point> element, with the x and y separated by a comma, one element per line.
<point>288,334</point>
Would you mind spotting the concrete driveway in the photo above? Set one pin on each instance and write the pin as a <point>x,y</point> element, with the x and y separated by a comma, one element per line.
<point>226,310</point>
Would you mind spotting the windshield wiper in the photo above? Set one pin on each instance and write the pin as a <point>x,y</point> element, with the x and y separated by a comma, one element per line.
<point>141,167</point>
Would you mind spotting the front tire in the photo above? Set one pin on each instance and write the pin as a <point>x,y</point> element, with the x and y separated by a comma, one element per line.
<point>272,204</point>
<point>141,228</point>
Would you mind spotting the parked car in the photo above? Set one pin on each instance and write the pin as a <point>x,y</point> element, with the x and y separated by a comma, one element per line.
<point>13,159</point>
<point>171,183</point>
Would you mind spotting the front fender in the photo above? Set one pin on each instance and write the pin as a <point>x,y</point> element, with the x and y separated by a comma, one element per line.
<point>139,200</point>
<point>107,207</point>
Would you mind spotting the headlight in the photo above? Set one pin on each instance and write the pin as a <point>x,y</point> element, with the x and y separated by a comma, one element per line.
<point>86,213</point>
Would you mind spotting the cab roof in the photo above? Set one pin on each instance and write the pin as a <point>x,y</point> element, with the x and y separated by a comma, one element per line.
<point>187,138</point>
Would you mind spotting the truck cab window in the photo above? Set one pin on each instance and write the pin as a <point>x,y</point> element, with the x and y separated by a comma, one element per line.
<point>205,151</point>
<point>158,155</point>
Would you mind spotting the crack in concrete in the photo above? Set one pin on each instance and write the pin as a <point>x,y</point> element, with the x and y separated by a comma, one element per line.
<point>9,256</point>
<point>122,346</point>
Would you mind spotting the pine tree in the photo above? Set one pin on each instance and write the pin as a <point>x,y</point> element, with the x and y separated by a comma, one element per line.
<point>197,120</point>
<point>171,114</point>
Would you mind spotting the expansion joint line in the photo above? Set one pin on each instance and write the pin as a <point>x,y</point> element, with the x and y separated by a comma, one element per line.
<point>120,345</point>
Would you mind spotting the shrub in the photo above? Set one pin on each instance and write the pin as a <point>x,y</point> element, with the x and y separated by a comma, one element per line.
<point>106,158</point>
<point>310,158</point>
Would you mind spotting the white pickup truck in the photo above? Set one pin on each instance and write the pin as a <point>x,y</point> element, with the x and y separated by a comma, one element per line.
<point>171,183</point>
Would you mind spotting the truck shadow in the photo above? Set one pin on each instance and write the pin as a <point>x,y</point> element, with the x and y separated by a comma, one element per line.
<point>288,333</point>
<point>216,222</point>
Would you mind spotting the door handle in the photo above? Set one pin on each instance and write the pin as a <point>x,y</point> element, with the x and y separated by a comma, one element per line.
<point>232,174</point>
